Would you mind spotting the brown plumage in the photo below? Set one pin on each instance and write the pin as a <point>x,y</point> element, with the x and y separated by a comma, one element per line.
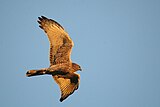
<point>61,67</point>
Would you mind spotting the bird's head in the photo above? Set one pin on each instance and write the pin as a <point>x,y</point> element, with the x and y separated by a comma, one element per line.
<point>76,67</point>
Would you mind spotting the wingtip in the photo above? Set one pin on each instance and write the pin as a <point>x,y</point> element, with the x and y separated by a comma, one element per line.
<point>40,18</point>
<point>61,99</point>
<point>40,26</point>
<point>43,17</point>
<point>39,21</point>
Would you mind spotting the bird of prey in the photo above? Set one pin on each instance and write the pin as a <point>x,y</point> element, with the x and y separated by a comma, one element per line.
<point>61,67</point>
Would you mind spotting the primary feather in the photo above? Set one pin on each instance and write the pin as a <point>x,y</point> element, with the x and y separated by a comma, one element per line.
<point>61,67</point>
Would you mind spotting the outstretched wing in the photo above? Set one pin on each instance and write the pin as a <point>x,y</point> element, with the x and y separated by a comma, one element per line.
<point>60,42</point>
<point>67,84</point>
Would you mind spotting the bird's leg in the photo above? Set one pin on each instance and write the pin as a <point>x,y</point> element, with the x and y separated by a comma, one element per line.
<point>36,72</point>
<point>65,76</point>
<point>56,72</point>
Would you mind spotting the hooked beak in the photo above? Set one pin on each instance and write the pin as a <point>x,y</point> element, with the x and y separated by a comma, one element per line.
<point>80,69</point>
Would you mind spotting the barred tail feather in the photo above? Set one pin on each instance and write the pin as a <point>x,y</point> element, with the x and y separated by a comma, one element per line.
<point>35,72</point>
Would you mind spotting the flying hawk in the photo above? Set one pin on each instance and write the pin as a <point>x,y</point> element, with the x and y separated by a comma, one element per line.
<point>61,67</point>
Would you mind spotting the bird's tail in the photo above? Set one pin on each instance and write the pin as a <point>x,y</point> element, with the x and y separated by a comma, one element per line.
<point>36,72</point>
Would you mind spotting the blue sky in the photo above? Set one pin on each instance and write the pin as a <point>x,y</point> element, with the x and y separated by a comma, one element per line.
<point>117,43</point>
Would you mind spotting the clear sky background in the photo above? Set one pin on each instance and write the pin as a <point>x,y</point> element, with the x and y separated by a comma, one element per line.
<point>117,43</point>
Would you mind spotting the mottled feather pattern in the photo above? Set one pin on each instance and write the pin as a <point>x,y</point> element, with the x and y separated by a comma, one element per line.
<point>58,38</point>
<point>61,67</point>
<point>66,86</point>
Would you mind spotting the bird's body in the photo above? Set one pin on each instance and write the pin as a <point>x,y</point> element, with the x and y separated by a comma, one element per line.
<point>61,67</point>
